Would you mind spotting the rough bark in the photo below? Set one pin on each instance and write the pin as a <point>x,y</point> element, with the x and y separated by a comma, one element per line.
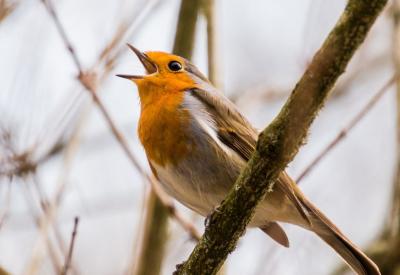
<point>280,141</point>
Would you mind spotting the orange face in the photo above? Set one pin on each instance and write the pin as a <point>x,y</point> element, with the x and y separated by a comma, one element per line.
<point>170,78</point>
<point>163,124</point>
<point>166,74</point>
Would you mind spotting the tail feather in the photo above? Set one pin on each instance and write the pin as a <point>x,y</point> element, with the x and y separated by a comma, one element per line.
<point>328,232</point>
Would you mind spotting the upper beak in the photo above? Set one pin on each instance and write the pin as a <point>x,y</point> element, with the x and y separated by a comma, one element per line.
<point>147,63</point>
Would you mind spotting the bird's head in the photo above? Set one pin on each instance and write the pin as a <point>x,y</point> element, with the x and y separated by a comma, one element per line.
<point>165,74</point>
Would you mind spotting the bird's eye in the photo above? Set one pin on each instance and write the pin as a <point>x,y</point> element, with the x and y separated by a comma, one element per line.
<point>175,66</point>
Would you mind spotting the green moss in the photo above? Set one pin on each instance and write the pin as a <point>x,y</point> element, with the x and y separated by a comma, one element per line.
<point>281,140</point>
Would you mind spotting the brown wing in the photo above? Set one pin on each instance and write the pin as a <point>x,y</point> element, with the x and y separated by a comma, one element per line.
<point>236,132</point>
<point>232,128</point>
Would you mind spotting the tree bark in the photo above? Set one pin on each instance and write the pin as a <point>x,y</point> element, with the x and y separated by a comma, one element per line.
<point>280,141</point>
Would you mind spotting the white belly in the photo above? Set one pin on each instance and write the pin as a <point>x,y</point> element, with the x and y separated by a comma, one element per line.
<point>201,182</point>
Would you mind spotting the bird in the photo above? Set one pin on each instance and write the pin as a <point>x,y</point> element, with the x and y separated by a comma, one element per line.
<point>197,142</point>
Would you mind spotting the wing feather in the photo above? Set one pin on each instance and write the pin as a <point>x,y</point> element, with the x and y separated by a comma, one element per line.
<point>236,132</point>
<point>232,128</point>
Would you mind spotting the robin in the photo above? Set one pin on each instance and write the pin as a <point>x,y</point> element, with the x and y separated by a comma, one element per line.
<point>197,142</point>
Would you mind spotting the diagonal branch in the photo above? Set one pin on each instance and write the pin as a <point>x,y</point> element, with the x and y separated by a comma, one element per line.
<point>281,140</point>
<point>62,32</point>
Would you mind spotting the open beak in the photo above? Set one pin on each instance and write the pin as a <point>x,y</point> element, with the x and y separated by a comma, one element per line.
<point>147,63</point>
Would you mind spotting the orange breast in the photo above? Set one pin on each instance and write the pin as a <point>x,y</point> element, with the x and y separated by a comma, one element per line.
<point>163,129</point>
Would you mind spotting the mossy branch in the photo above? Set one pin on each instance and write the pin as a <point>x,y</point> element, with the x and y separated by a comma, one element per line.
<point>280,141</point>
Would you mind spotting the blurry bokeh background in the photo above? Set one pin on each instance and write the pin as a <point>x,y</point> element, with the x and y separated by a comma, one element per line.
<point>262,49</point>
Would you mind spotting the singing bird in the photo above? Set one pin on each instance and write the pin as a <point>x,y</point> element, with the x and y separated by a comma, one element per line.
<point>197,142</point>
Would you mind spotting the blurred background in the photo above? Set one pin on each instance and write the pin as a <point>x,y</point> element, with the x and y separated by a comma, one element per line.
<point>59,160</point>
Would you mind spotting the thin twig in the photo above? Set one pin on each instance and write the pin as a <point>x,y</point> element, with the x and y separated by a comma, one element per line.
<point>89,81</point>
<point>4,212</point>
<point>49,212</point>
<point>71,247</point>
<point>62,32</point>
<point>394,223</point>
<point>39,251</point>
<point>103,64</point>
<point>209,13</point>
<point>353,122</point>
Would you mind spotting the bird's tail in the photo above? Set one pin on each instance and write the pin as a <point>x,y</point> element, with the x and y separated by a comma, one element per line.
<point>328,232</point>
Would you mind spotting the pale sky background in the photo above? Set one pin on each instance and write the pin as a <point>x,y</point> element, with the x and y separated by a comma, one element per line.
<point>263,45</point>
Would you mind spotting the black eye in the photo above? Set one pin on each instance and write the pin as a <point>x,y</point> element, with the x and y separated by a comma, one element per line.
<point>175,66</point>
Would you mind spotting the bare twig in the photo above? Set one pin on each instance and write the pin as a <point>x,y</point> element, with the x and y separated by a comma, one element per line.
<point>49,212</point>
<point>213,72</point>
<point>152,238</point>
<point>267,93</point>
<point>62,32</point>
<point>385,249</point>
<point>353,122</point>
<point>89,81</point>
<point>33,265</point>
<point>71,247</point>
<point>394,224</point>
<point>4,211</point>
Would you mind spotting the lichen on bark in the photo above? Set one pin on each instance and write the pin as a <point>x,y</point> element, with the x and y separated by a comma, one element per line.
<point>280,141</point>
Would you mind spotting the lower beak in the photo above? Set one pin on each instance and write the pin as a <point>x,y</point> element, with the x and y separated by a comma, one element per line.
<point>145,60</point>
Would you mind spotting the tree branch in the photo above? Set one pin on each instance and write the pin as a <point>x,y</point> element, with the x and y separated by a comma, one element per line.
<point>154,237</point>
<point>186,28</point>
<point>209,14</point>
<point>281,140</point>
<point>67,263</point>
